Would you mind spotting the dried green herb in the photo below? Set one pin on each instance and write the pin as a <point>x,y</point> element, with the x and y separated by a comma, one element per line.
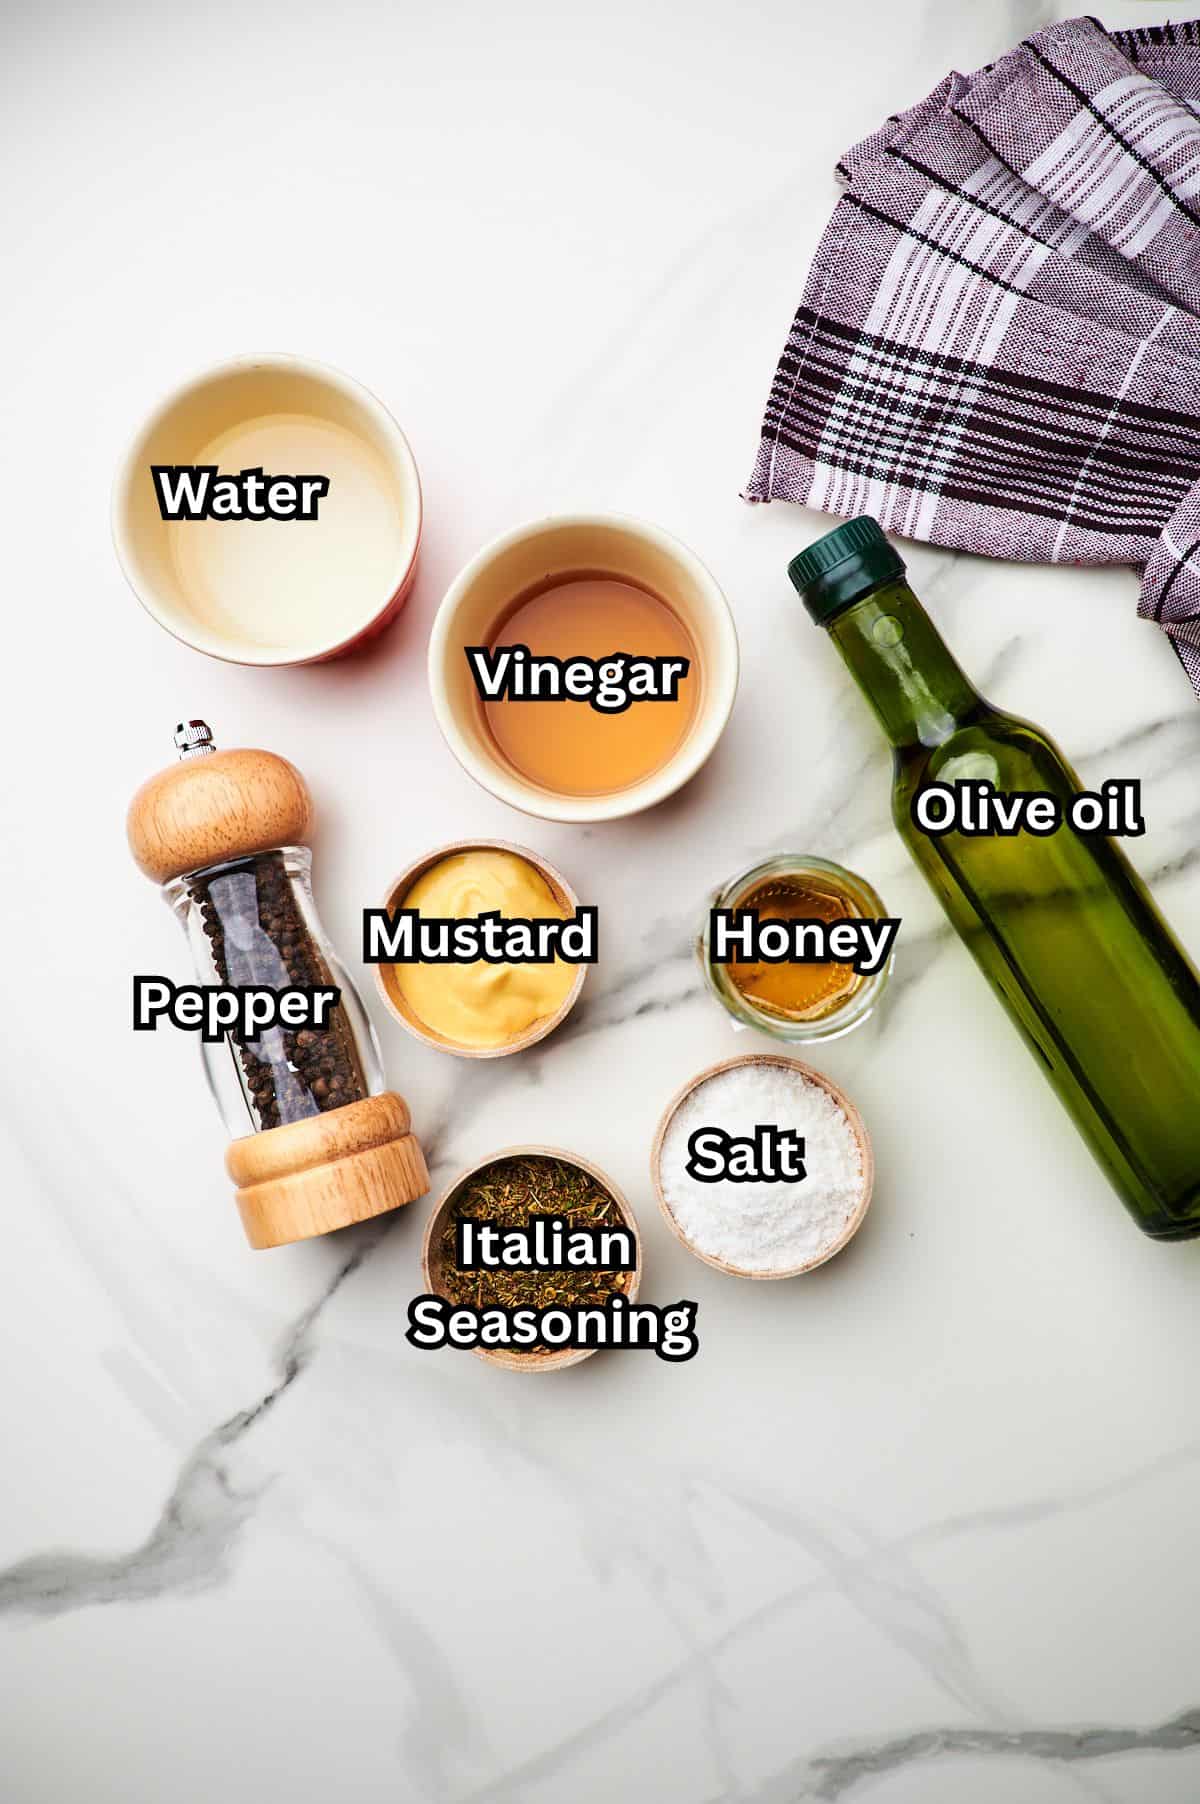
<point>507,1194</point>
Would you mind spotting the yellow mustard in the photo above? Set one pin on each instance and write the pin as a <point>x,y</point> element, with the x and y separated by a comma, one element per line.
<point>483,1004</point>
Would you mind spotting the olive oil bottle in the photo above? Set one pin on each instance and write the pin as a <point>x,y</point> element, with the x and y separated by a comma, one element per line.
<point>1060,923</point>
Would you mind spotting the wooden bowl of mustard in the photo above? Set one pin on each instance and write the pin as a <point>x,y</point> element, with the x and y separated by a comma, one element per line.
<point>480,1011</point>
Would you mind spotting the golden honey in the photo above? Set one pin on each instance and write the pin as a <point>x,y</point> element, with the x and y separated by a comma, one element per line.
<point>798,992</point>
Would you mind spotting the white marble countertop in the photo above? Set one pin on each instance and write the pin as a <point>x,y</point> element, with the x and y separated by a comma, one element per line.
<point>917,1528</point>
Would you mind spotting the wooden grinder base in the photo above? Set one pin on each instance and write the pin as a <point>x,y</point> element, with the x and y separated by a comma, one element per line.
<point>313,1176</point>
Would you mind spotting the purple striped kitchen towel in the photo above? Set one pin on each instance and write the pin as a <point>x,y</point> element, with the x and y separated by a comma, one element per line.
<point>999,345</point>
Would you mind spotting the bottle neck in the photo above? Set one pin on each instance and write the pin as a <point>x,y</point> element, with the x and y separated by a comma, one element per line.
<point>903,666</point>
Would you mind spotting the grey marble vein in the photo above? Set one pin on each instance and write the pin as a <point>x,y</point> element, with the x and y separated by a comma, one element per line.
<point>1175,733</point>
<point>190,1546</point>
<point>826,1777</point>
<point>654,984</point>
<point>847,1767</point>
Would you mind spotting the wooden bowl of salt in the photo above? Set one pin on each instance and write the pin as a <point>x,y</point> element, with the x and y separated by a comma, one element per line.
<point>701,1232</point>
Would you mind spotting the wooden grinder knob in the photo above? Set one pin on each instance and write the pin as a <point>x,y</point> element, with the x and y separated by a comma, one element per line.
<point>209,810</point>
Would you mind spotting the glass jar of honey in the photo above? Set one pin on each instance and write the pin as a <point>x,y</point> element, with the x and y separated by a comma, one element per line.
<point>805,997</point>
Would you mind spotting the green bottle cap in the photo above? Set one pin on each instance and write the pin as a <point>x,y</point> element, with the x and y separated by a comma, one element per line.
<point>844,566</point>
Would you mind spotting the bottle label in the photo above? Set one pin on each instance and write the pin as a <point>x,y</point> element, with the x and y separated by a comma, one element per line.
<point>509,673</point>
<point>247,1011</point>
<point>203,492</point>
<point>976,809</point>
<point>740,936</point>
<point>404,936</point>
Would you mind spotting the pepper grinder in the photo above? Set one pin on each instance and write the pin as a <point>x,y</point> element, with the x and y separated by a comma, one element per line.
<point>318,1142</point>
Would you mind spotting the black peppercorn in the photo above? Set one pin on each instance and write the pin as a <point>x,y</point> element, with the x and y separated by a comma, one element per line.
<point>302,1073</point>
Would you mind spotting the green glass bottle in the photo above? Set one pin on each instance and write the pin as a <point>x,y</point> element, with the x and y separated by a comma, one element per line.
<point>1061,925</point>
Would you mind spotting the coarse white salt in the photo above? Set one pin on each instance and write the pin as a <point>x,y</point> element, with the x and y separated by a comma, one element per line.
<point>764,1226</point>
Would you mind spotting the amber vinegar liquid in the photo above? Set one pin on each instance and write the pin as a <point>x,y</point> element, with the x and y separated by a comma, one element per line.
<point>568,746</point>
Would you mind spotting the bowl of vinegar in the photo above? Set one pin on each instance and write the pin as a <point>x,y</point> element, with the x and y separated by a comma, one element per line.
<point>583,667</point>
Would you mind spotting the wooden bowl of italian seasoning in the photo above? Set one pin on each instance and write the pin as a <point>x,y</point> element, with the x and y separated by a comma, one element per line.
<point>510,1190</point>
